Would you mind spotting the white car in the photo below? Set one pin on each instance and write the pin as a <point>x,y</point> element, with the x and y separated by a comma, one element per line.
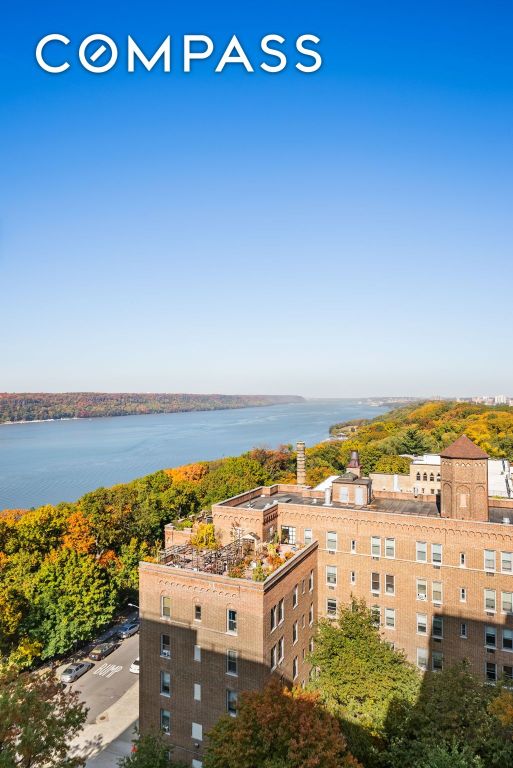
<point>134,666</point>
<point>72,673</point>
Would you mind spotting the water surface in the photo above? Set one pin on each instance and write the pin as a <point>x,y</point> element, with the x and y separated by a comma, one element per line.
<point>54,461</point>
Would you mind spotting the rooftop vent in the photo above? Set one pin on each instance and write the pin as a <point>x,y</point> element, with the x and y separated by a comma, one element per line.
<point>506,520</point>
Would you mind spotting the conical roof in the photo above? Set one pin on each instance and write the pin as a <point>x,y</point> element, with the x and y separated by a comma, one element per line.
<point>463,448</point>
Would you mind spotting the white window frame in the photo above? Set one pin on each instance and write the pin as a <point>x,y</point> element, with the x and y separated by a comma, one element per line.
<point>331,575</point>
<point>231,622</point>
<point>231,657</point>
<point>331,541</point>
<point>436,554</point>
<point>390,548</point>
<point>165,676</point>
<point>165,714</point>
<point>490,595</point>
<point>437,601</point>
<point>421,620</point>
<point>197,691</point>
<point>307,536</point>
<point>421,549</point>
<point>422,590</point>
<point>376,546</point>
<point>375,590</point>
<point>508,601</point>
<point>163,607</point>
<point>197,732</point>
<point>388,591</point>
<point>390,617</point>
<point>507,558</point>
<point>489,560</point>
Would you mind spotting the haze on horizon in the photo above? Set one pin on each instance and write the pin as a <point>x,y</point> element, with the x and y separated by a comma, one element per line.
<point>344,234</point>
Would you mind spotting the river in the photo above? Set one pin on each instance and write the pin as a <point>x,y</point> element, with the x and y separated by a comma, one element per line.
<point>48,462</point>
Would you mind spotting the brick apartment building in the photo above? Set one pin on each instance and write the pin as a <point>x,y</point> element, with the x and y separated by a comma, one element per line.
<point>437,570</point>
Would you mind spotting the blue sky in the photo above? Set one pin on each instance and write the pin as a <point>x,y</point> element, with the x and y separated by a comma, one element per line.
<point>342,233</point>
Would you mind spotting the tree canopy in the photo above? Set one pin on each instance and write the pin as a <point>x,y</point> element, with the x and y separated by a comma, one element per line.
<point>278,728</point>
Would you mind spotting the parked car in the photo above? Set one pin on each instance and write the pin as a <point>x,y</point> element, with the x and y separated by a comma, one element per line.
<point>128,629</point>
<point>101,650</point>
<point>74,671</point>
<point>134,666</point>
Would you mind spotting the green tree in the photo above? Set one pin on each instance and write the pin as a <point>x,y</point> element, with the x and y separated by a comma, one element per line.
<point>71,599</point>
<point>149,751</point>
<point>413,442</point>
<point>38,719</point>
<point>278,728</point>
<point>455,711</point>
<point>360,676</point>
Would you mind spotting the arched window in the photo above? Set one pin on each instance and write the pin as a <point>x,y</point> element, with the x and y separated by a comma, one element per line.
<point>424,476</point>
<point>438,478</point>
<point>432,477</point>
<point>418,475</point>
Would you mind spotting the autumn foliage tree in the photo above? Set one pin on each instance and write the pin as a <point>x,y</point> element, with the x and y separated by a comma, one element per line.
<point>278,728</point>
<point>38,719</point>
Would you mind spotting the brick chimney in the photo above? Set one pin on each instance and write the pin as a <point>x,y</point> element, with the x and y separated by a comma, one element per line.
<point>301,463</point>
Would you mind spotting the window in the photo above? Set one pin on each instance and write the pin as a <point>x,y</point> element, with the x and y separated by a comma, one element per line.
<point>463,560</point>
<point>311,581</point>
<point>295,668</point>
<point>295,596</point>
<point>165,720</point>
<point>489,560</point>
<point>231,702</point>
<point>165,683</point>
<point>295,633</point>
<point>424,476</point>
<point>463,630</point>
<point>197,692</point>
<point>197,732</point>
<point>421,589</point>
<point>288,534</point>
<point>418,475</point>
<point>375,546</point>
<point>231,621</point>
<point>390,618</point>
<point>274,617</point>
<point>421,623</point>
<point>331,541</point>
<point>507,671</point>
<point>331,607</point>
<point>303,621</point>
<point>375,583</point>
<point>507,602</point>
<point>390,584</point>
<point>353,546</point>
<point>436,591</point>
<point>431,478</point>
<point>506,562</point>
<point>490,600</point>
<point>231,662</point>
<point>197,653</point>
<point>436,554</point>
<point>165,607</point>
<point>331,574</point>
<point>438,626</point>
<point>490,637</point>
<point>165,647</point>
<point>311,615</point>
<point>463,595</point>
<point>507,639</point>
<point>421,551</point>
<point>422,658</point>
<point>303,590</point>
<point>281,650</point>
<point>274,657</point>
<point>491,671</point>
<point>437,661</point>
<point>281,611</point>
<point>389,547</point>
<point>311,645</point>
<point>307,536</point>
<point>376,615</point>
<point>352,577</point>
<point>197,613</point>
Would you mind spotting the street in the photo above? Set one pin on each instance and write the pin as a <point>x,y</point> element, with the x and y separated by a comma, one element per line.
<point>109,679</point>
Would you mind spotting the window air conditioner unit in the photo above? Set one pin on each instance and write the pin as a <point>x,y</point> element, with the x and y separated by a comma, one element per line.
<point>421,597</point>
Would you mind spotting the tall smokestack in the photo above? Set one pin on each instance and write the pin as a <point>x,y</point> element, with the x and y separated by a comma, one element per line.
<point>301,463</point>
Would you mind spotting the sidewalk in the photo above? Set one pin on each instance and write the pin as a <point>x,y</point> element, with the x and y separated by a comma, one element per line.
<point>110,738</point>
